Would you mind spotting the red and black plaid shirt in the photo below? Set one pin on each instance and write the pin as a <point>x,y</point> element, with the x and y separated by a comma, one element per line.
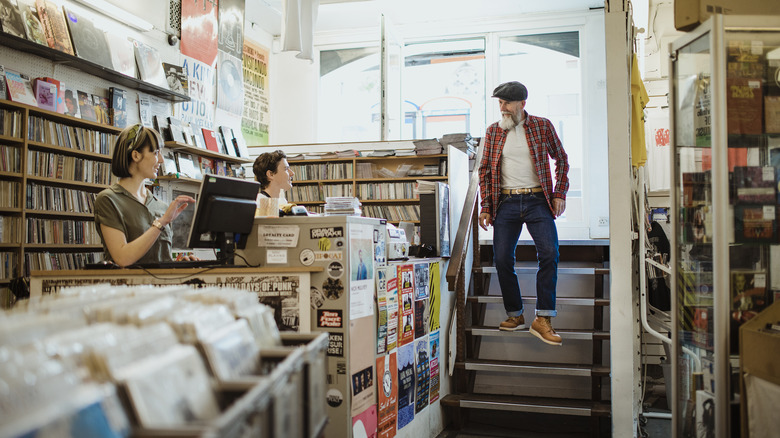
<point>543,142</point>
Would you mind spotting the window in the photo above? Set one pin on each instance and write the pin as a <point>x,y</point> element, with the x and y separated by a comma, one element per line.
<point>549,66</point>
<point>349,95</point>
<point>444,89</point>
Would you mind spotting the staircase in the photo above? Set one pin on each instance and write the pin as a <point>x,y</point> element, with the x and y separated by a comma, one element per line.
<point>513,371</point>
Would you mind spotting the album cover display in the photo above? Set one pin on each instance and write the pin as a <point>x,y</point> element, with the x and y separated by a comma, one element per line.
<point>118,110</point>
<point>210,139</point>
<point>54,26</point>
<point>70,101</point>
<point>101,109</point>
<point>3,88</point>
<point>755,223</point>
<point>122,54</point>
<point>11,20</point>
<point>86,106</point>
<point>176,78</point>
<point>230,84</point>
<point>149,64</point>
<point>46,95</point>
<point>188,165</point>
<point>89,41</point>
<point>32,24</point>
<point>20,88</point>
<point>755,184</point>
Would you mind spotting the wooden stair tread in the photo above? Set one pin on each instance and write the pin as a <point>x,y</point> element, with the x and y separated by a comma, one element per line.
<point>566,369</point>
<point>584,301</point>
<point>572,334</point>
<point>560,406</point>
<point>562,270</point>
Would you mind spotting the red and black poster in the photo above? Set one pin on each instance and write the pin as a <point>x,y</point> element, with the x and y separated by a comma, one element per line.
<point>199,30</point>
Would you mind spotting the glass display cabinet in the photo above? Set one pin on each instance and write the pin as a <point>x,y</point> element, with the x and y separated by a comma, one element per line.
<point>725,118</point>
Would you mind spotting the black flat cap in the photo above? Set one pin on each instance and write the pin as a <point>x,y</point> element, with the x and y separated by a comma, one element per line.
<point>511,91</point>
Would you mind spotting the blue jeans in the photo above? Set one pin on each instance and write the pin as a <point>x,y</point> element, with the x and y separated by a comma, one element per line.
<point>533,211</point>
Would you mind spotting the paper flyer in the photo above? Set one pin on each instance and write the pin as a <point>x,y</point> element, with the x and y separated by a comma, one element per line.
<point>392,309</point>
<point>434,365</point>
<point>423,373</point>
<point>405,385</point>
<point>434,297</point>
<point>381,305</point>
<point>361,267</point>
<point>420,318</point>
<point>361,366</point>
<point>420,281</point>
<point>364,424</point>
<point>406,309</point>
<point>386,368</point>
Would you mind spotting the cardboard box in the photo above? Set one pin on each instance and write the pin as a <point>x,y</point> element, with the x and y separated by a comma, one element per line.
<point>758,353</point>
<point>690,13</point>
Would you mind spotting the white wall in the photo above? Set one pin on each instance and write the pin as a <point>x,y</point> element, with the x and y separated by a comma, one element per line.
<point>294,92</point>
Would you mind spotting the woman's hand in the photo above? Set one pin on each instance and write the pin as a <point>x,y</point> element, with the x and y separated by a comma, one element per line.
<point>177,206</point>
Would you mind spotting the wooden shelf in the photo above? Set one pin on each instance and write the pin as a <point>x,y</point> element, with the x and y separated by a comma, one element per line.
<point>179,179</point>
<point>68,151</point>
<point>57,181</point>
<point>76,246</point>
<point>323,181</point>
<point>11,174</point>
<point>182,147</point>
<point>6,245</point>
<point>72,214</point>
<point>407,178</point>
<point>9,139</point>
<point>89,67</point>
<point>10,210</point>
<point>389,201</point>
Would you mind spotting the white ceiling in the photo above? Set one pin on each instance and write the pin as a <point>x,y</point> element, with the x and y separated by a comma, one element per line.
<point>355,14</point>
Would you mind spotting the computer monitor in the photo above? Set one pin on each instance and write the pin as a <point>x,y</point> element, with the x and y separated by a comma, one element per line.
<point>225,209</point>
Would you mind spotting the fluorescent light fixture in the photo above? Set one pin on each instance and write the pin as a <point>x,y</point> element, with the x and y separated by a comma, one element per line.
<point>118,14</point>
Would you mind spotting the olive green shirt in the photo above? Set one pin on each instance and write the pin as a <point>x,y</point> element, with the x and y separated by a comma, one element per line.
<point>117,208</point>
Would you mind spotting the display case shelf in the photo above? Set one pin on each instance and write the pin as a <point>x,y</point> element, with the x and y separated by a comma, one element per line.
<point>88,67</point>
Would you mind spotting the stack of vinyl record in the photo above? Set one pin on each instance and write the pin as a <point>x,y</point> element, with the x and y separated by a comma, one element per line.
<point>342,206</point>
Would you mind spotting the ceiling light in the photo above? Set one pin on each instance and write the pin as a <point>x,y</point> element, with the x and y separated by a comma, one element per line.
<point>118,14</point>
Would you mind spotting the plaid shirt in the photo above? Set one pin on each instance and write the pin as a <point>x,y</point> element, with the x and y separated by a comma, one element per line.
<point>543,142</point>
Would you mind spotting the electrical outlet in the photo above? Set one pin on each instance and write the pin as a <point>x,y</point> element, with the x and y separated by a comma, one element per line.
<point>603,221</point>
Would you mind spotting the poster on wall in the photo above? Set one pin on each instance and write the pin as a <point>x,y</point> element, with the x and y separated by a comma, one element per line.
<point>230,83</point>
<point>405,385</point>
<point>392,309</point>
<point>381,305</point>
<point>199,111</point>
<point>406,305</point>
<point>434,297</point>
<point>361,264</point>
<point>199,30</point>
<point>255,116</point>
<point>361,366</point>
<point>283,294</point>
<point>231,27</point>
<point>386,368</point>
<point>423,374</point>
<point>433,357</point>
<point>364,424</point>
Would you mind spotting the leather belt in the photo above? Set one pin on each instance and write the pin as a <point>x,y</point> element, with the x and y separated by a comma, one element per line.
<point>521,191</point>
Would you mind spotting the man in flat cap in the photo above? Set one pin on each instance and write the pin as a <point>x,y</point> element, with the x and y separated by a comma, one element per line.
<point>517,189</point>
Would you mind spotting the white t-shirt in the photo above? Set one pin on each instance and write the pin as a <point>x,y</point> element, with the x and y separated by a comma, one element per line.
<point>517,167</point>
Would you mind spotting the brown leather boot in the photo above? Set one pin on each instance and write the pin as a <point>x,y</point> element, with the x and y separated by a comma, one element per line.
<point>542,329</point>
<point>513,323</point>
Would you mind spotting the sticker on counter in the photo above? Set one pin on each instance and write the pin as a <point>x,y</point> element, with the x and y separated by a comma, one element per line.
<point>317,298</point>
<point>329,318</point>
<point>334,398</point>
<point>331,232</point>
<point>335,270</point>
<point>276,256</point>
<point>277,236</point>
<point>336,344</point>
<point>333,288</point>
<point>323,244</point>
<point>323,256</point>
<point>307,257</point>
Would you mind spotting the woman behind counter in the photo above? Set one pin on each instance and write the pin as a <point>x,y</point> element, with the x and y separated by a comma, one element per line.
<point>131,221</point>
<point>274,174</point>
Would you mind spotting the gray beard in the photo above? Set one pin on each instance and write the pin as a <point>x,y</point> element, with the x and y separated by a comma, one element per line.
<point>508,121</point>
